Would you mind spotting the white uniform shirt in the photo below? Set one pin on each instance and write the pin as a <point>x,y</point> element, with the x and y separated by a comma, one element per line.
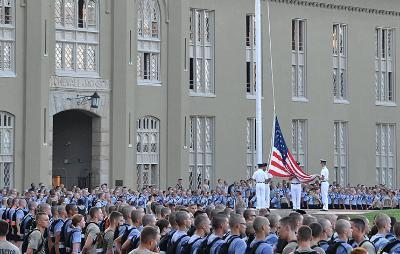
<point>295,180</point>
<point>325,173</point>
<point>260,176</point>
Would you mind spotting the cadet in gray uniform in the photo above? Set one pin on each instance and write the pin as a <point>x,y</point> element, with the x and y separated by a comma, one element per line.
<point>36,242</point>
<point>5,246</point>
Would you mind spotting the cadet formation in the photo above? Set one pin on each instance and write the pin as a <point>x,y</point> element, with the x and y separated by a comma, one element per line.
<point>253,216</point>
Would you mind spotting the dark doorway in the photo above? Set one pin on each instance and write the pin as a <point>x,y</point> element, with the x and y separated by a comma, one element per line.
<point>72,148</point>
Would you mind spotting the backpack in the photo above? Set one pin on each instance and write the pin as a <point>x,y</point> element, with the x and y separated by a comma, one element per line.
<point>225,246</point>
<point>307,252</point>
<point>388,247</point>
<point>171,248</point>
<point>124,237</point>
<point>28,223</point>
<point>165,239</point>
<point>252,250</point>
<point>333,248</point>
<point>187,247</point>
<point>68,241</point>
<point>205,248</point>
<point>64,230</point>
<point>25,242</point>
<point>375,241</point>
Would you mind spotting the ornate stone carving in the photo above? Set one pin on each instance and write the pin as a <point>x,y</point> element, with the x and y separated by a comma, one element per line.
<point>79,83</point>
<point>339,7</point>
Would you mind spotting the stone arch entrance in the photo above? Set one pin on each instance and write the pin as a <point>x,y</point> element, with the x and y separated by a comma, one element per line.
<point>73,140</point>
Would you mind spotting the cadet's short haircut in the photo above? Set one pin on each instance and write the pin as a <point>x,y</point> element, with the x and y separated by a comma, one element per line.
<point>289,221</point>
<point>32,206</point>
<point>343,217</point>
<point>39,215</point>
<point>316,229</point>
<point>3,228</point>
<point>381,220</point>
<point>200,220</point>
<point>114,216</point>
<point>235,219</point>
<point>297,217</point>
<point>172,219</point>
<point>136,215</point>
<point>304,234</point>
<point>126,211</point>
<point>307,220</point>
<point>359,250</point>
<point>273,219</point>
<point>70,207</point>
<point>246,213</point>
<point>76,219</point>
<point>218,221</point>
<point>325,223</point>
<point>93,211</point>
<point>181,217</point>
<point>358,223</point>
<point>162,223</point>
<point>341,226</point>
<point>148,219</point>
<point>149,233</point>
<point>396,229</point>
<point>165,211</point>
<point>259,222</point>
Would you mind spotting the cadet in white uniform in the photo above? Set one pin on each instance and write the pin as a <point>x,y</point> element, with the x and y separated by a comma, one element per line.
<point>260,177</point>
<point>267,187</point>
<point>295,191</point>
<point>324,177</point>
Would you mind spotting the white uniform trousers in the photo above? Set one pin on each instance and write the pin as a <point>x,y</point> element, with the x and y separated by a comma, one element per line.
<point>324,194</point>
<point>260,195</point>
<point>295,190</point>
<point>267,195</point>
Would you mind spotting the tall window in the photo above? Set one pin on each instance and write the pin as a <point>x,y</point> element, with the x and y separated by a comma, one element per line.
<point>299,59</point>
<point>149,43</point>
<point>7,37</point>
<point>385,154</point>
<point>340,161</point>
<point>339,55</point>
<point>251,146</point>
<point>250,55</point>
<point>6,149</point>
<point>299,141</point>
<point>77,36</point>
<point>385,65</point>
<point>201,151</point>
<point>147,151</point>
<point>201,52</point>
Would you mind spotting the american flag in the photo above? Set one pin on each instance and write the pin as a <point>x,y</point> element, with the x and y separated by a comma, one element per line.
<point>282,162</point>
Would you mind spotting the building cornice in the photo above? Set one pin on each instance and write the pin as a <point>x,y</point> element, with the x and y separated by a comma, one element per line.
<point>339,7</point>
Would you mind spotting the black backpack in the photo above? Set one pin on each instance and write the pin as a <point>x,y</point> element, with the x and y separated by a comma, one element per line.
<point>187,247</point>
<point>124,237</point>
<point>28,223</point>
<point>165,240</point>
<point>68,242</point>
<point>307,252</point>
<point>64,230</point>
<point>333,247</point>
<point>205,248</point>
<point>25,242</point>
<point>253,249</point>
<point>388,247</point>
<point>171,248</point>
<point>225,246</point>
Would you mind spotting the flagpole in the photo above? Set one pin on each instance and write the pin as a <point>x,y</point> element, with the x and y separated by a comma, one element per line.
<point>259,132</point>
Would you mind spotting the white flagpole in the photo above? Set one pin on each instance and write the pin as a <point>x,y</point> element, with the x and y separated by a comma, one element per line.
<point>259,129</point>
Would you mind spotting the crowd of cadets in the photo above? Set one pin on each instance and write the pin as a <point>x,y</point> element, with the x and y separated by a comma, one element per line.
<point>178,221</point>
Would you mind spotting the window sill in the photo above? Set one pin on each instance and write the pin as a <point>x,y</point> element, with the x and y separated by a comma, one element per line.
<point>299,99</point>
<point>208,95</point>
<point>7,74</point>
<point>341,101</point>
<point>77,74</point>
<point>385,103</point>
<point>252,97</point>
<point>148,83</point>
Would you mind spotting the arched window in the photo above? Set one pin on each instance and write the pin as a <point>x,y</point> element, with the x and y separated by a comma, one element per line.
<point>77,36</point>
<point>148,151</point>
<point>148,32</point>
<point>6,149</point>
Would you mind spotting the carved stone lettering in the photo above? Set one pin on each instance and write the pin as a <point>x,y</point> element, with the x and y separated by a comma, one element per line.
<point>79,83</point>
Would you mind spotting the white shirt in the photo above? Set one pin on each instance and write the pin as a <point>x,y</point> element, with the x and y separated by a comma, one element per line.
<point>260,176</point>
<point>325,173</point>
<point>295,180</point>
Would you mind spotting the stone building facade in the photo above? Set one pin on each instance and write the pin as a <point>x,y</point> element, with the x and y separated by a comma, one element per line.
<point>176,81</point>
